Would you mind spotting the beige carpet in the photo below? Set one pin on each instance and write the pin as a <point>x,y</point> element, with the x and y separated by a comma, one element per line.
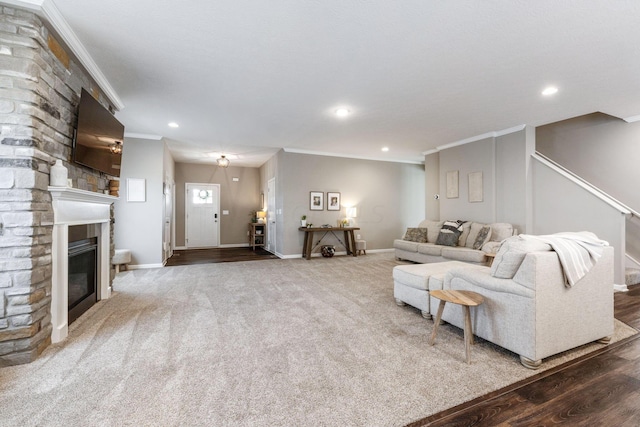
<point>260,343</point>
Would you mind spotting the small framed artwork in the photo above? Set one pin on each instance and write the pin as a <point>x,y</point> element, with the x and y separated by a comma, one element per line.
<point>136,190</point>
<point>475,187</point>
<point>452,185</point>
<point>316,200</point>
<point>333,201</point>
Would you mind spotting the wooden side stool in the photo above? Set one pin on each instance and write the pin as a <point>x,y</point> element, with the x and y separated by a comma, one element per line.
<point>464,298</point>
<point>361,246</point>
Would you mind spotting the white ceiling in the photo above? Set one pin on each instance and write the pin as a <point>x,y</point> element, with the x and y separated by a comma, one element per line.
<point>247,77</point>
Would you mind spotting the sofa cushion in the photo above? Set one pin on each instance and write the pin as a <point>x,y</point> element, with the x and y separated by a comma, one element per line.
<point>463,254</point>
<point>474,229</point>
<point>483,237</point>
<point>500,231</point>
<point>433,228</point>
<point>416,235</point>
<point>466,227</point>
<point>449,233</point>
<point>512,253</point>
<point>406,245</point>
<point>430,249</point>
<point>417,275</point>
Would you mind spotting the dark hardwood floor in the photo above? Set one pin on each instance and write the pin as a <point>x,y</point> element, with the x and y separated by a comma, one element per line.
<point>206,256</point>
<point>601,389</point>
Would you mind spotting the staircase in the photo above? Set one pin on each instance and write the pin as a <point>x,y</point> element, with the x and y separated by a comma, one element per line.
<point>632,276</point>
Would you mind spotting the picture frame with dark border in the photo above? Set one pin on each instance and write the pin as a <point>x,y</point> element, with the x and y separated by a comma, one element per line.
<point>316,200</point>
<point>333,201</point>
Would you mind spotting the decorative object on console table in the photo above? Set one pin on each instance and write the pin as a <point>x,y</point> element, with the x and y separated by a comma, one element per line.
<point>303,221</point>
<point>316,202</point>
<point>257,235</point>
<point>327,250</point>
<point>261,215</point>
<point>333,201</point>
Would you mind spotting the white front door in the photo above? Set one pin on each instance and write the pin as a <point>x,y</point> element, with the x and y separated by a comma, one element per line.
<point>271,216</point>
<point>203,215</point>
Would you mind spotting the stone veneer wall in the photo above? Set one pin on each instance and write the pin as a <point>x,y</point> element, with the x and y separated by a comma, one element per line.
<point>40,84</point>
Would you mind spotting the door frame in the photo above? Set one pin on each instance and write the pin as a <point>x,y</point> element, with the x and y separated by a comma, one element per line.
<point>186,213</point>
<point>271,216</point>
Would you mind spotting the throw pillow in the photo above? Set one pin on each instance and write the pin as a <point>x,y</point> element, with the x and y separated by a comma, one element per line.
<point>466,227</point>
<point>447,238</point>
<point>511,254</point>
<point>473,233</point>
<point>449,233</point>
<point>483,237</point>
<point>418,235</point>
<point>500,231</point>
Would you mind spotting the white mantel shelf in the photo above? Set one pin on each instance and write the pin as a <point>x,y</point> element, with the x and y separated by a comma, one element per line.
<point>77,195</point>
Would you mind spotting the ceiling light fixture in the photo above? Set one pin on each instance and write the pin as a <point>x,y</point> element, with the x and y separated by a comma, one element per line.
<point>173,125</point>
<point>342,112</point>
<point>551,90</point>
<point>223,162</point>
<point>385,149</point>
<point>116,147</point>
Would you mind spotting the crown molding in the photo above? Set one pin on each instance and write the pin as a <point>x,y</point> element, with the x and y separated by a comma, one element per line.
<point>48,11</point>
<point>493,134</point>
<point>328,154</point>
<point>143,136</point>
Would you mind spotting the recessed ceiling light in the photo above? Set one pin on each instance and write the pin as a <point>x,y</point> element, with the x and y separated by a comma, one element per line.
<point>385,149</point>
<point>342,112</point>
<point>551,90</point>
<point>173,125</point>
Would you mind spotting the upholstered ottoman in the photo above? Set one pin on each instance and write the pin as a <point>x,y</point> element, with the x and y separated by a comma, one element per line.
<point>121,257</point>
<point>411,283</point>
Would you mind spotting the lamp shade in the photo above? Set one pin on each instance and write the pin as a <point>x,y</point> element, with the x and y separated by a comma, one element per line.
<point>261,214</point>
<point>352,212</point>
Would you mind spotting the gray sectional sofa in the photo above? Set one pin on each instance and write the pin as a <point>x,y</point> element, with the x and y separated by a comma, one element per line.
<point>531,311</point>
<point>420,244</point>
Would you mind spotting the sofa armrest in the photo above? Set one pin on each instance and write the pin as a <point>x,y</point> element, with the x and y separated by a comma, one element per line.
<point>481,278</point>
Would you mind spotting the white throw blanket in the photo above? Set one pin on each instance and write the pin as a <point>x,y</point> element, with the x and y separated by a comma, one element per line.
<point>578,252</point>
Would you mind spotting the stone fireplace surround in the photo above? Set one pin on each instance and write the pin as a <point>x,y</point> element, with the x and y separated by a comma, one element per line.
<point>72,206</point>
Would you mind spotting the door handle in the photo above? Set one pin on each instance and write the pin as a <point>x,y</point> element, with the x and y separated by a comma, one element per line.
<point>216,216</point>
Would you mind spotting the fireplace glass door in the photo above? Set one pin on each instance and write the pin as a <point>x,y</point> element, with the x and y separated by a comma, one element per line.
<point>82,276</point>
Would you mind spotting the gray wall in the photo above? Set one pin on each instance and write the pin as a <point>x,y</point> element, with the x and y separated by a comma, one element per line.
<point>599,148</point>
<point>389,196</point>
<point>560,205</point>
<point>239,198</point>
<point>138,225</point>
<point>604,151</point>
<point>432,186</point>
<point>503,162</point>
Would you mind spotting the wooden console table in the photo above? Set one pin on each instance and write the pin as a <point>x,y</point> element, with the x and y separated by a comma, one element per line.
<point>349,238</point>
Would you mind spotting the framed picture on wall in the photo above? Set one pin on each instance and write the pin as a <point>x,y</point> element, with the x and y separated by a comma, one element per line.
<point>316,200</point>
<point>333,201</point>
<point>475,187</point>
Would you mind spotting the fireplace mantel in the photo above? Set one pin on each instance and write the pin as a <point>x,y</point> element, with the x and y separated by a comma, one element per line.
<point>72,206</point>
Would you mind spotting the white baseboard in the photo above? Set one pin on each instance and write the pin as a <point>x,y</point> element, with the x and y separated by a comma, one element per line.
<point>318,254</point>
<point>180,248</point>
<point>143,266</point>
<point>235,245</point>
<point>620,288</point>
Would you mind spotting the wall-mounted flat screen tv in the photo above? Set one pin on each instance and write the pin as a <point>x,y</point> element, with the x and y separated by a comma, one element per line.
<point>99,137</point>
